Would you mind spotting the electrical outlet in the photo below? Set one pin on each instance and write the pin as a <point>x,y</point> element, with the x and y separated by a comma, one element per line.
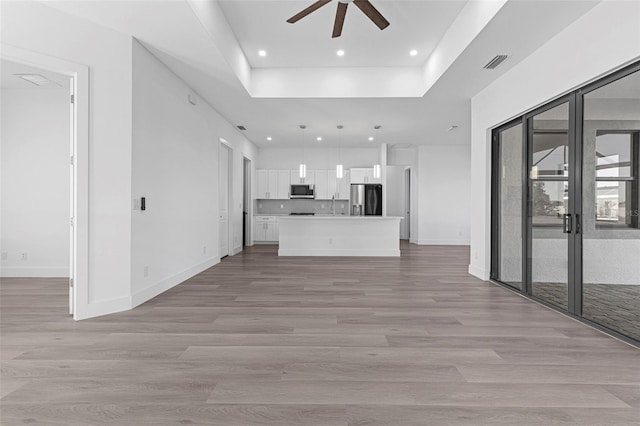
<point>330,240</point>
<point>23,256</point>
<point>282,206</point>
<point>5,255</point>
<point>204,249</point>
<point>322,206</point>
<point>146,271</point>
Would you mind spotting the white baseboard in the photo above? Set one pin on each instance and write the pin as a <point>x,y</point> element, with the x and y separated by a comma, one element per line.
<point>153,290</point>
<point>236,250</point>
<point>103,307</point>
<point>346,252</point>
<point>413,241</point>
<point>34,272</point>
<point>481,273</point>
<point>443,242</point>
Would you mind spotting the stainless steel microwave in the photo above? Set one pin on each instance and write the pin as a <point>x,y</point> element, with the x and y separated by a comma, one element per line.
<point>302,191</point>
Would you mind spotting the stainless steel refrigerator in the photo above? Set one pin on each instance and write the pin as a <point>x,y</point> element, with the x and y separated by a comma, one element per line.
<point>366,200</point>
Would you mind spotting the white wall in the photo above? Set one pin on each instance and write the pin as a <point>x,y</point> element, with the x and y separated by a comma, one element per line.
<point>175,163</point>
<point>395,195</point>
<point>35,182</point>
<point>604,39</point>
<point>443,191</point>
<point>317,158</point>
<point>175,167</point>
<point>36,27</point>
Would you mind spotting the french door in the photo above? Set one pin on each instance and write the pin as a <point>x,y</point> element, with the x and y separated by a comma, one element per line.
<point>565,203</point>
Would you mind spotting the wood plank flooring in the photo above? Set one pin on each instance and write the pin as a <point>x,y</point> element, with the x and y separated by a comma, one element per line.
<point>262,340</point>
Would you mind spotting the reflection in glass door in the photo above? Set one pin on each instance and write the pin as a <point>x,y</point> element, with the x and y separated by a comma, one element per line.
<point>509,151</point>
<point>549,216</point>
<point>611,205</point>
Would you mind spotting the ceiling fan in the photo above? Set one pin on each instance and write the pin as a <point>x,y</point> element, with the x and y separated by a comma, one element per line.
<point>364,5</point>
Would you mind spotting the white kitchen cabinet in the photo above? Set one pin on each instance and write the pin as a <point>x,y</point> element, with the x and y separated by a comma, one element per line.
<point>265,229</point>
<point>322,187</point>
<point>343,186</point>
<point>363,175</point>
<point>284,184</point>
<point>262,181</point>
<point>272,184</point>
<point>332,184</point>
<point>296,179</point>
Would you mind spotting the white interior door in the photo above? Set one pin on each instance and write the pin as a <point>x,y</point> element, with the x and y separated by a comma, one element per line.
<point>223,179</point>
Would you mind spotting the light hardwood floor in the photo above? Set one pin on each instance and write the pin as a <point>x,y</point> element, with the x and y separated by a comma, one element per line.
<point>262,340</point>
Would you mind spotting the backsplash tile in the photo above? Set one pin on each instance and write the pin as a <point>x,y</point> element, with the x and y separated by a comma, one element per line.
<point>300,206</point>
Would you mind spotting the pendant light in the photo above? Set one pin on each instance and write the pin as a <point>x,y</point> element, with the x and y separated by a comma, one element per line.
<point>339,168</point>
<point>377,170</point>
<point>303,166</point>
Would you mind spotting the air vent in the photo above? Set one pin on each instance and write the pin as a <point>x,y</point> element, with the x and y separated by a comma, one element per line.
<point>241,127</point>
<point>37,79</point>
<point>493,64</point>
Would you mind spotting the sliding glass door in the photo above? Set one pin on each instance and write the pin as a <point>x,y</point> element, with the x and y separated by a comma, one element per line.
<point>549,218</point>
<point>611,194</point>
<point>566,203</point>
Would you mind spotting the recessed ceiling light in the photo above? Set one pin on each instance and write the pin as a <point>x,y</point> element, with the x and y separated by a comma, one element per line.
<point>414,52</point>
<point>269,138</point>
<point>370,138</point>
<point>319,138</point>
<point>262,52</point>
<point>340,52</point>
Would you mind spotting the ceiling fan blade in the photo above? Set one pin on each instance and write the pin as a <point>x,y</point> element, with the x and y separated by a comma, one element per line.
<point>372,13</point>
<point>315,6</point>
<point>339,22</point>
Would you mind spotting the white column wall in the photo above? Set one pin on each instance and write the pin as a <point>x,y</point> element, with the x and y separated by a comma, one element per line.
<point>605,38</point>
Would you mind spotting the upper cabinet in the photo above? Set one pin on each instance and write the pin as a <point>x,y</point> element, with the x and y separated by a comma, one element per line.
<point>364,175</point>
<point>309,179</point>
<point>272,184</point>
<point>343,186</point>
<point>322,187</point>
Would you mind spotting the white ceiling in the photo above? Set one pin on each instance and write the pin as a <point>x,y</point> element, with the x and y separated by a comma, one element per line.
<point>307,43</point>
<point>9,79</point>
<point>198,51</point>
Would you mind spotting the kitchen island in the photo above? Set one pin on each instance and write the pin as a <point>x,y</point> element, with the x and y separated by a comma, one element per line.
<point>339,235</point>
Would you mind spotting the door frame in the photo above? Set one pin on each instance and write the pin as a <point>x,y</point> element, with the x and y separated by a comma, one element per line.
<point>79,303</point>
<point>247,202</point>
<point>223,144</point>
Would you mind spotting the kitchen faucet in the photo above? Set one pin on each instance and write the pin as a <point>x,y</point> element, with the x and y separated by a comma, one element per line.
<point>333,205</point>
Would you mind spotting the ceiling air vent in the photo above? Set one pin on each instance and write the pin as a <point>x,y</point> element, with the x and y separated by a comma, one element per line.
<point>493,64</point>
<point>241,127</point>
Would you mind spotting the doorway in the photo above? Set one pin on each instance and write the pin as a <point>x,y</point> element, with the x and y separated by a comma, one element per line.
<point>246,201</point>
<point>566,196</point>
<point>224,179</point>
<point>72,79</point>
<point>407,205</point>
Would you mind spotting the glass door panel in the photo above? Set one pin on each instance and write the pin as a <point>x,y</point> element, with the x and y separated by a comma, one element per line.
<point>549,204</point>
<point>610,198</point>
<point>509,206</point>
